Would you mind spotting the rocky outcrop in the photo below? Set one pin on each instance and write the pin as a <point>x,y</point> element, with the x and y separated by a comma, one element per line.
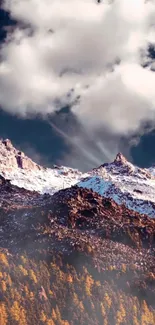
<point>84,209</point>
<point>11,158</point>
<point>120,159</point>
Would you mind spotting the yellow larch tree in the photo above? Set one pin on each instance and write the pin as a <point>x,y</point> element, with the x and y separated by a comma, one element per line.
<point>50,322</point>
<point>3,259</point>
<point>54,316</point>
<point>33,276</point>
<point>88,284</point>
<point>3,314</point>
<point>147,317</point>
<point>120,315</point>
<point>18,313</point>
<point>23,270</point>
<point>107,300</point>
<point>22,320</point>
<point>43,317</point>
<point>15,311</point>
<point>3,286</point>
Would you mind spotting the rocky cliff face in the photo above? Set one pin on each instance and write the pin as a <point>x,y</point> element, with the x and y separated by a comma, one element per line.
<point>11,158</point>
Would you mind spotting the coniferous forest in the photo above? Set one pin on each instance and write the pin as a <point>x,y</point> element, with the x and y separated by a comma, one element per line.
<point>74,258</point>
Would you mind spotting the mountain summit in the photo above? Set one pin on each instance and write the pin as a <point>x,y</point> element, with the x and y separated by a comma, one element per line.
<point>11,158</point>
<point>120,159</point>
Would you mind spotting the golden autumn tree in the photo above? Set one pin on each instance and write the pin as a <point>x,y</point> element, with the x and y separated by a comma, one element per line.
<point>107,300</point>
<point>33,276</point>
<point>88,284</point>
<point>147,317</point>
<point>3,286</point>
<point>120,315</point>
<point>50,322</point>
<point>69,278</point>
<point>54,316</point>
<point>18,313</point>
<point>135,315</point>
<point>3,314</point>
<point>43,317</point>
<point>22,320</point>
<point>103,311</point>
<point>3,259</point>
<point>64,322</point>
<point>23,270</point>
<point>15,311</point>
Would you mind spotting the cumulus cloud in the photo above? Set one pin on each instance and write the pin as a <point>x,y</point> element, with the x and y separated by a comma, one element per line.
<point>121,101</point>
<point>83,54</point>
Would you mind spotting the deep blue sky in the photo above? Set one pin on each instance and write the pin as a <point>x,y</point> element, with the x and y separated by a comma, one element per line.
<point>37,138</point>
<point>34,136</point>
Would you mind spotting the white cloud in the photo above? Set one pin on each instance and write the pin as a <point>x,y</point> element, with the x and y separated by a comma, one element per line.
<point>74,45</point>
<point>120,101</point>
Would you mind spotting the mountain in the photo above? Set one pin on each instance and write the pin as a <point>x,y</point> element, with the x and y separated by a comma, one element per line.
<point>120,180</point>
<point>74,256</point>
<point>125,184</point>
<point>74,211</point>
<point>22,171</point>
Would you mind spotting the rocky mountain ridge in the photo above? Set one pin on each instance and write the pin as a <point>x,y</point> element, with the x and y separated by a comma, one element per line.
<point>120,180</point>
<point>23,172</point>
<point>125,184</point>
<point>73,219</point>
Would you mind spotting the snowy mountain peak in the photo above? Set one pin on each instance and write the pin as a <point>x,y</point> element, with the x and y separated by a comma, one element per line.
<point>120,165</point>
<point>120,159</point>
<point>23,172</point>
<point>125,183</point>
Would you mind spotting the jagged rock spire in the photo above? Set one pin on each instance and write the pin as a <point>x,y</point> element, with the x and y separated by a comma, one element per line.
<point>120,159</point>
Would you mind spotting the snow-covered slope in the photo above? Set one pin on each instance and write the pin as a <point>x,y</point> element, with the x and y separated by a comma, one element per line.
<point>45,180</point>
<point>125,183</point>
<point>119,180</point>
<point>23,172</point>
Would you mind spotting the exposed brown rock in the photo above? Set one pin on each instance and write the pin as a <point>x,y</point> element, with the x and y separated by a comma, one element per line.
<point>11,158</point>
<point>85,209</point>
<point>120,159</point>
